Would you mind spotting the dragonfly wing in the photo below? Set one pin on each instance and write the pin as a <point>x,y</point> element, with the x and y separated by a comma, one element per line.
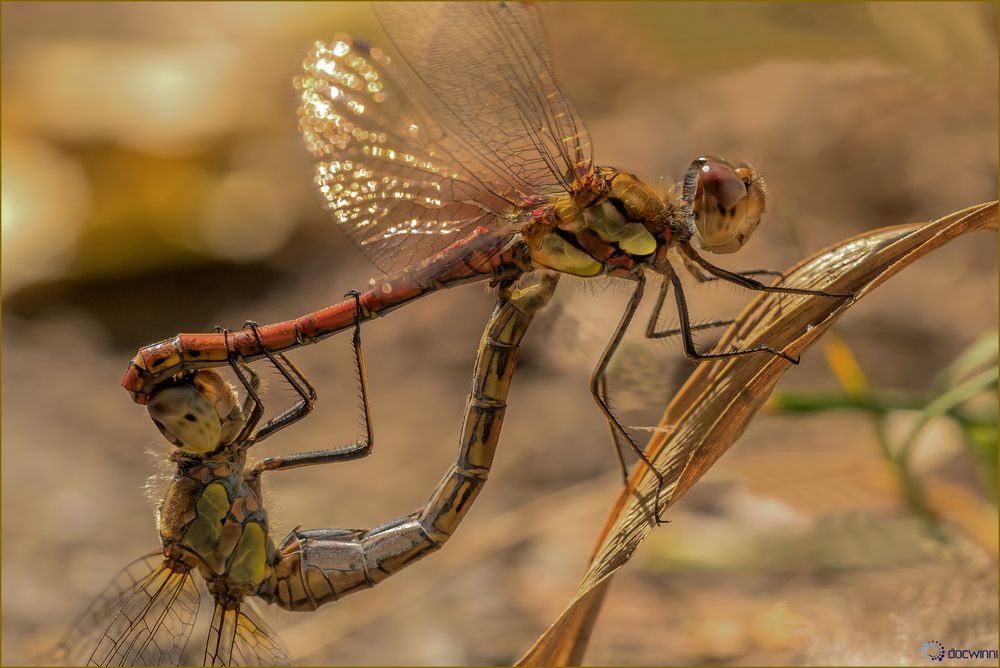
<point>384,177</point>
<point>489,72</point>
<point>240,637</point>
<point>409,160</point>
<point>144,617</point>
<point>79,643</point>
<point>153,624</point>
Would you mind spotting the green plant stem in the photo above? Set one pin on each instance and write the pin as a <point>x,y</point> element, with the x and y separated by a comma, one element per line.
<point>945,402</point>
<point>822,400</point>
<point>913,493</point>
<point>880,402</point>
<point>877,405</point>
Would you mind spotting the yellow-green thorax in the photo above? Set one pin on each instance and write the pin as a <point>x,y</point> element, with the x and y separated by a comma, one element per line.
<point>607,229</point>
<point>215,519</point>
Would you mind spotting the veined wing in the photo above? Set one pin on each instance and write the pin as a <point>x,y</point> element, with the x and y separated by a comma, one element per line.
<point>144,617</point>
<point>397,193</point>
<point>409,164</point>
<point>240,637</point>
<point>488,69</point>
<point>79,643</point>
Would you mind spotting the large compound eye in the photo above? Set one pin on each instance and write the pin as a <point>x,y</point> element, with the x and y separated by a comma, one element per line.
<point>186,418</point>
<point>727,205</point>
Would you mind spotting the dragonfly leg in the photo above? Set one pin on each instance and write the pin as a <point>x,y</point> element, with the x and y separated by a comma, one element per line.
<point>254,383</point>
<point>253,380</point>
<point>322,565</point>
<point>360,448</point>
<point>602,390</point>
<point>703,276</point>
<point>651,332</point>
<point>751,283</point>
<point>250,382</point>
<point>688,340</point>
<point>598,388</point>
<point>295,378</point>
<point>750,273</point>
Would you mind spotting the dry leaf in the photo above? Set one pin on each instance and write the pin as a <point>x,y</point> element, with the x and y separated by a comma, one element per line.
<point>713,408</point>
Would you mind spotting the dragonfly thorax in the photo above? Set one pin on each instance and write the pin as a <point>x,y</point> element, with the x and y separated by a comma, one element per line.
<point>611,232</point>
<point>212,519</point>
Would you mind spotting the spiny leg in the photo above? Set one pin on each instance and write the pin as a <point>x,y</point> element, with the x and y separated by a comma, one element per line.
<point>750,283</point>
<point>299,383</point>
<point>253,378</point>
<point>654,317</point>
<point>602,389</point>
<point>651,334</point>
<point>250,382</point>
<point>355,450</point>
<point>597,388</point>
<point>703,276</point>
<point>686,329</point>
<point>750,273</point>
<point>360,373</point>
<point>254,383</point>
<point>599,378</point>
<point>602,381</point>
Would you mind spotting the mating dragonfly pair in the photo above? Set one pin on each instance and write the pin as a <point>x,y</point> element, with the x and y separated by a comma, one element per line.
<point>466,164</point>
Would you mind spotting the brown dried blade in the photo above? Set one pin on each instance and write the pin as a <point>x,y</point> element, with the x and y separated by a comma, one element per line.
<point>712,409</point>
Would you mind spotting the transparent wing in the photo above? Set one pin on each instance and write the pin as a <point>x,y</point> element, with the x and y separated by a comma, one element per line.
<point>240,637</point>
<point>488,69</point>
<point>144,617</point>
<point>397,194</point>
<point>409,164</point>
<point>79,643</point>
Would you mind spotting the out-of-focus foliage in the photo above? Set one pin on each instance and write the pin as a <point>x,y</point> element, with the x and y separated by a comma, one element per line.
<point>137,138</point>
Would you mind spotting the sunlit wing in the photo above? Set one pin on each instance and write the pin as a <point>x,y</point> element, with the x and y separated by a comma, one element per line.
<point>240,637</point>
<point>487,67</point>
<point>144,617</point>
<point>383,180</point>
<point>409,164</point>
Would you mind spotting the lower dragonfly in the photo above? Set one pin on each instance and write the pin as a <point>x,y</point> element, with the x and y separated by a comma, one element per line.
<point>212,519</point>
<point>470,165</point>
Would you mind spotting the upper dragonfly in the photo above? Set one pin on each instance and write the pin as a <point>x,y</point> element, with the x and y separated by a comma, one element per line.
<point>470,165</point>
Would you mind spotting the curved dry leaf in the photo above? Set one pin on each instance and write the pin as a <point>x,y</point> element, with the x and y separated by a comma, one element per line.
<point>717,402</point>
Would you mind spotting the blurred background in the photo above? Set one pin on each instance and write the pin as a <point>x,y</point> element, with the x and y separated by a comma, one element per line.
<point>154,182</point>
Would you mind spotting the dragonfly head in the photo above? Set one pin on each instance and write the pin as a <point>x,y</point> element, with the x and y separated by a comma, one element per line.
<point>197,412</point>
<point>726,202</point>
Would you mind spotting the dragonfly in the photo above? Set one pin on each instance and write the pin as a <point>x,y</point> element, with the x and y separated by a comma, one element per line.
<point>465,162</point>
<point>213,523</point>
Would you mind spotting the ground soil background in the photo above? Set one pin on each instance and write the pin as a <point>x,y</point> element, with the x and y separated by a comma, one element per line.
<point>153,182</point>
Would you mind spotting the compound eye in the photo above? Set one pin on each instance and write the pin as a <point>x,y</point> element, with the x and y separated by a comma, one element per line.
<point>727,206</point>
<point>186,418</point>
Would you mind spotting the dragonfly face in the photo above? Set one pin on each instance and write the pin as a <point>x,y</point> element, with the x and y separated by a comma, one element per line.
<point>727,203</point>
<point>197,414</point>
<point>623,224</point>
